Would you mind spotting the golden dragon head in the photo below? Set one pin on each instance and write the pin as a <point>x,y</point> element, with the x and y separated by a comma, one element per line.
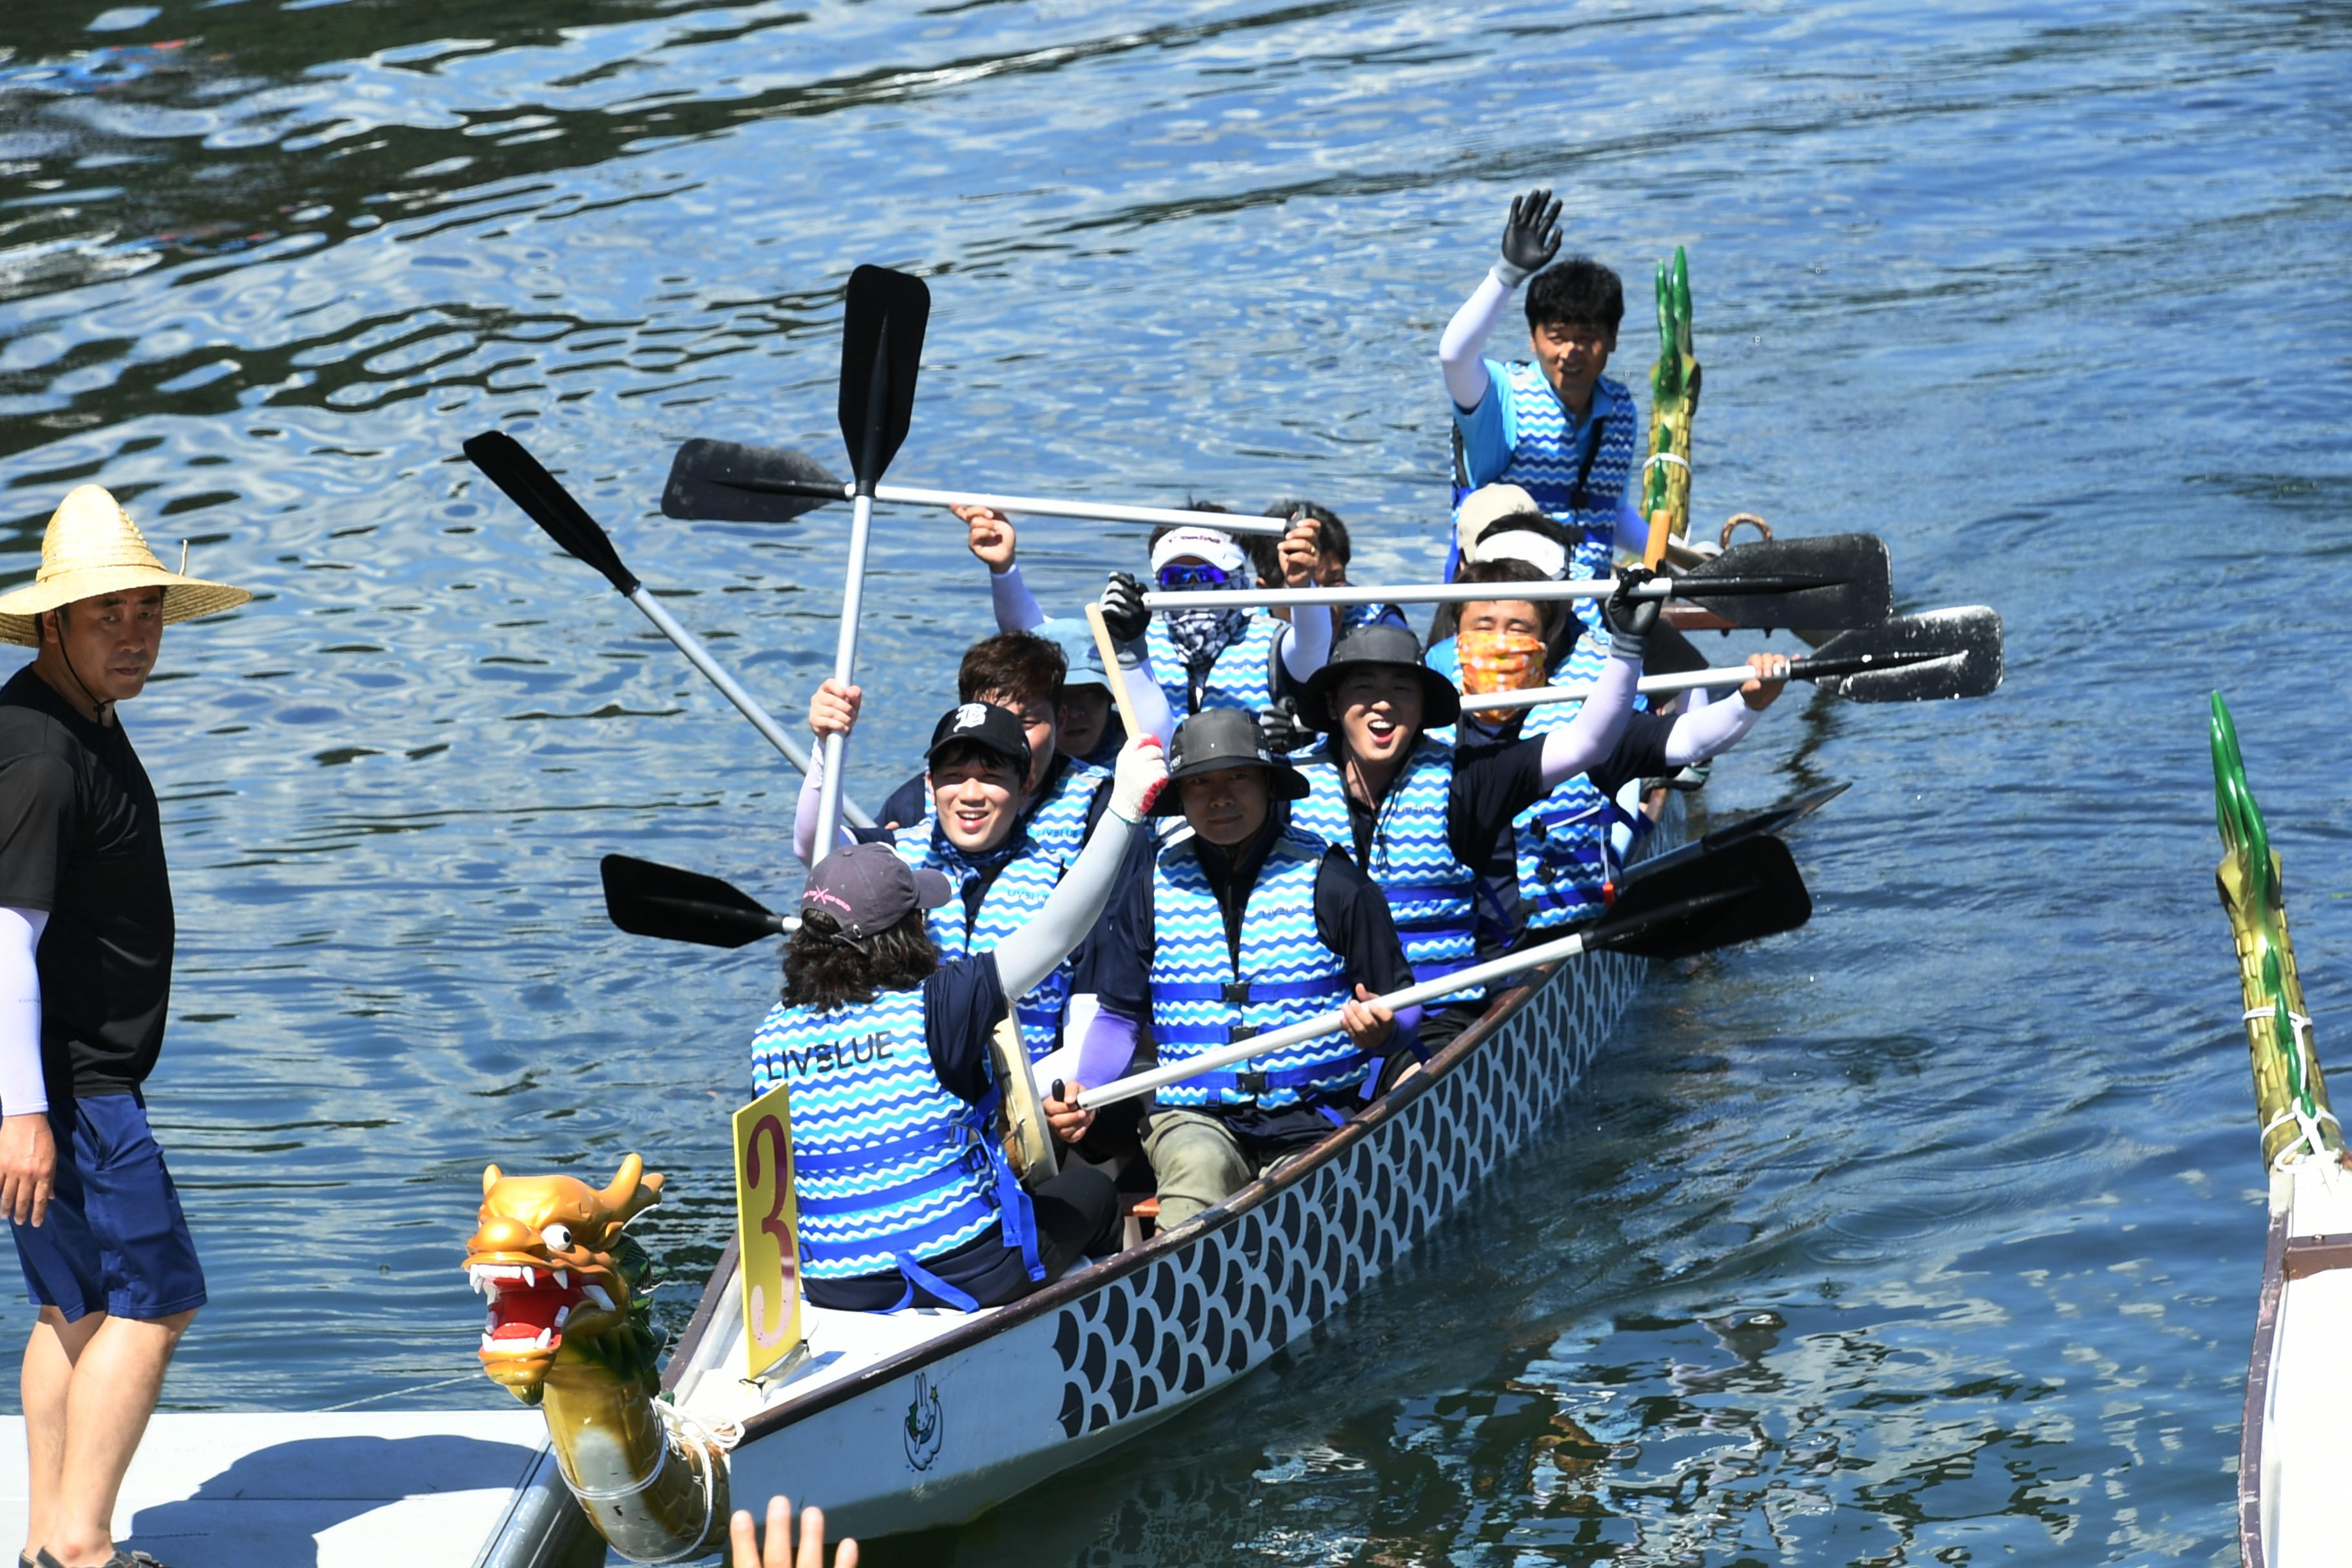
<point>545,1254</point>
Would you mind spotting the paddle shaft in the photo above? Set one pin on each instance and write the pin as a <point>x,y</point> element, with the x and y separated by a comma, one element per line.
<point>1729,676</point>
<point>1109,652</point>
<point>1461,980</point>
<point>1034,506</point>
<point>745,703</point>
<point>1470,593</point>
<point>845,661</point>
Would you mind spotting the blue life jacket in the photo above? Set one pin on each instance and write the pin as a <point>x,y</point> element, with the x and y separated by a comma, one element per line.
<point>1354,615</point>
<point>1028,877</point>
<point>1198,1003</point>
<point>890,1169</point>
<point>1560,843</point>
<point>1577,486</point>
<point>1432,895</point>
<point>1241,677</point>
<point>1058,825</point>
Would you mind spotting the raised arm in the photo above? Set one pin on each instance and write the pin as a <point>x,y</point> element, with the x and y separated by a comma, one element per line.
<point>992,540</point>
<point>1530,239</point>
<point>1592,734</point>
<point>1031,954</point>
<point>834,708</point>
<point>1307,644</point>
<point>1126,619</point>
<point>1711,728</point>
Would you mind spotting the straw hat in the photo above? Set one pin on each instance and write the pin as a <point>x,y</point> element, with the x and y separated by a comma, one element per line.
<point>92,548</point>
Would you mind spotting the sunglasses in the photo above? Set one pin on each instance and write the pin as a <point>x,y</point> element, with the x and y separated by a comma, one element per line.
<point>1180,574</point>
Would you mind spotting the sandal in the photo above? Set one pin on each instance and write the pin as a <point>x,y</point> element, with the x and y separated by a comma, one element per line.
<point>122,1558</point>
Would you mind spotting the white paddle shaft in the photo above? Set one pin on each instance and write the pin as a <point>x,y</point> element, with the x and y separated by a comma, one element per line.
<point>1102,511</point>
<point>1650,685</point>
<point>1406,593</point>
<point>844,662</point>
<point>1461,980</point>
<point>745,704</point>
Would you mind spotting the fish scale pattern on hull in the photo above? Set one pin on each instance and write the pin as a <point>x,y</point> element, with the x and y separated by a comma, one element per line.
<point>1224,1304</point>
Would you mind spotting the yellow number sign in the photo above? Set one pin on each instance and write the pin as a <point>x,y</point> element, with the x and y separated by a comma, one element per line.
<point>767,1230</point>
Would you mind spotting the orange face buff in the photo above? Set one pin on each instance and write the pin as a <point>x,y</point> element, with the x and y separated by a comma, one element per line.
<point>1500,661</point>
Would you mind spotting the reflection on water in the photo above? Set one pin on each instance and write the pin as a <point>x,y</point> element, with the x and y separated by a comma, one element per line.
<point>1927,1235</point>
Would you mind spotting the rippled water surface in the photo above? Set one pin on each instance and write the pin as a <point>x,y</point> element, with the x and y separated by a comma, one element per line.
<point>1929,1234</point>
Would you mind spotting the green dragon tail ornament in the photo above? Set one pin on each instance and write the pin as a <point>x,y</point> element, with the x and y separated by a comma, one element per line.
<point>2290,1095</point>
<point>1674,402</point>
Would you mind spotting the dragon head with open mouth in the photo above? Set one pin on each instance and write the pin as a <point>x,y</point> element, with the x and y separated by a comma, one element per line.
<point>550,1256</point>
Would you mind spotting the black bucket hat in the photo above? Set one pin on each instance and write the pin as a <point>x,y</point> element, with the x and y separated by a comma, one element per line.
<point>1225,737</point>
<point>1378,644</point>
<point>985,725</point>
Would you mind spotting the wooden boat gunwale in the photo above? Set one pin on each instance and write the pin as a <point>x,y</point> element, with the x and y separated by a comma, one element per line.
<point>1074,1285</point>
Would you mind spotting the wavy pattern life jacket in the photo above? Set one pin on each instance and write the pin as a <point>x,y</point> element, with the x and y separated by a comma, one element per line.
<point>1241,677</point>
<point>1286,974</point>
<point>1028,879</point>
<point>1432,895</point>
<point>888,1167</point>
<point>1577,485</point>
<point>1561,842</point>
<point>1058,825</point>
<point>1354,615</point>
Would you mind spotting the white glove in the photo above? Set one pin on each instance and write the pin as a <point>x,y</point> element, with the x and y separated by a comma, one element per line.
<point>1140,773</point>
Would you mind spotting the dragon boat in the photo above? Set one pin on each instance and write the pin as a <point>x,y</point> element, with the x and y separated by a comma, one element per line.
<point>2299,1376</point>
<point>909,1421</point>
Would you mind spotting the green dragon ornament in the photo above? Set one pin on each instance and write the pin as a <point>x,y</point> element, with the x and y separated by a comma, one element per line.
<point>1674,402</point>
<point>2290,1095</point>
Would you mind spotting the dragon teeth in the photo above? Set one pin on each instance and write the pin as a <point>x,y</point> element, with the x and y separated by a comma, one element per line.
<point>563,1315</point>
<point>530,1278</point>
<point>561,1277</point>
<point>596,1293</point>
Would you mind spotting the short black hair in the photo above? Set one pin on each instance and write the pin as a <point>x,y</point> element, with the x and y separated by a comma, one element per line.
<point>1334,536</point>
<point>1560,628</point>
<point>1574,293</point>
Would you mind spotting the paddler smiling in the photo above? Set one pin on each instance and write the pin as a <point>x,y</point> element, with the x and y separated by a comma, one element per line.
<point>1416,818</point>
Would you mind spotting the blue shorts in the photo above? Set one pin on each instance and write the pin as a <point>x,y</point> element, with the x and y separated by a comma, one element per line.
<point>114,1239</point>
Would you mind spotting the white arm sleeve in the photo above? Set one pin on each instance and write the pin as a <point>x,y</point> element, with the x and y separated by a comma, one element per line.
<point>1017,609</point>
<point>1709,730</point>
<point>1150,702</point>
<point>23,1090</point>
<point>1593,733</point>
<point>805,817</point>
<point>1070,912</point>
<point>1458,351</point>
<point>1307,644</point>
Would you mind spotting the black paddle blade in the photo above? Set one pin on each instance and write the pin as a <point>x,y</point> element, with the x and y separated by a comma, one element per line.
<point>1911,659</point>
<point>1737,894</point>
<point>548,505</point>
<point>1773,819</point>
<point>647,899</point>
<point>1835,581</point>
<point>726,481</point>
<point>881,349</point>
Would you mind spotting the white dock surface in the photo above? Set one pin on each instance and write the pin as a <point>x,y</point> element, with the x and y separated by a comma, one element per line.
<point>354,1489</point>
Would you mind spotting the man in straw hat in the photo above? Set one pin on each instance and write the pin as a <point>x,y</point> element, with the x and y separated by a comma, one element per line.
<point>86,936</point>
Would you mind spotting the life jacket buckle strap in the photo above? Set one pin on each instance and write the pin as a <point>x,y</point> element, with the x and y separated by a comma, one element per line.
<point>1241,1032</point>
<point>1237,994</point>
<point>1250,1082</point>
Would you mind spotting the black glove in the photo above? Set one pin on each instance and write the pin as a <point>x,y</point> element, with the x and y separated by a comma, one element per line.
<point>1122,608</point>
<point>1629,619</point>
<point>1530,236</point>
<point>1279,727</point>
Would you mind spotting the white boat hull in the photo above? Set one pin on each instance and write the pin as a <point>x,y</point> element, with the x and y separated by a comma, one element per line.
<point>967,1410</point>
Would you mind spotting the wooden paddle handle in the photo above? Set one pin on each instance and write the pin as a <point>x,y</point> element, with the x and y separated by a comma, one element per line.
<point>1109,652</point>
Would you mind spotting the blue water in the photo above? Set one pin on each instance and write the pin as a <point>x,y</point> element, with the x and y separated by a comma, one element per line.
<point>1929,1233</point>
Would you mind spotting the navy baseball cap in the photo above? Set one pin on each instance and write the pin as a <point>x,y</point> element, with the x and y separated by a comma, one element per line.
<point>983,724</point>
<point>867,890</point>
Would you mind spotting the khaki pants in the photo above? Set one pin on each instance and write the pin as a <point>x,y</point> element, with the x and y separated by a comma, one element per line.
<point>1199,1163</point>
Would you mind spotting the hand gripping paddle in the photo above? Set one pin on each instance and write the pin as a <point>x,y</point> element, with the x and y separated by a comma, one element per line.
<point>1744,891</point>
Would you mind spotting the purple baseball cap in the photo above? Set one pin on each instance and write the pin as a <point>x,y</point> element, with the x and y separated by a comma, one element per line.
<point>865,889</point>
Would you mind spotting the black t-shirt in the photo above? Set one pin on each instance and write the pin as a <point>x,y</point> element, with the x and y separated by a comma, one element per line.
<point>81,837</point>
